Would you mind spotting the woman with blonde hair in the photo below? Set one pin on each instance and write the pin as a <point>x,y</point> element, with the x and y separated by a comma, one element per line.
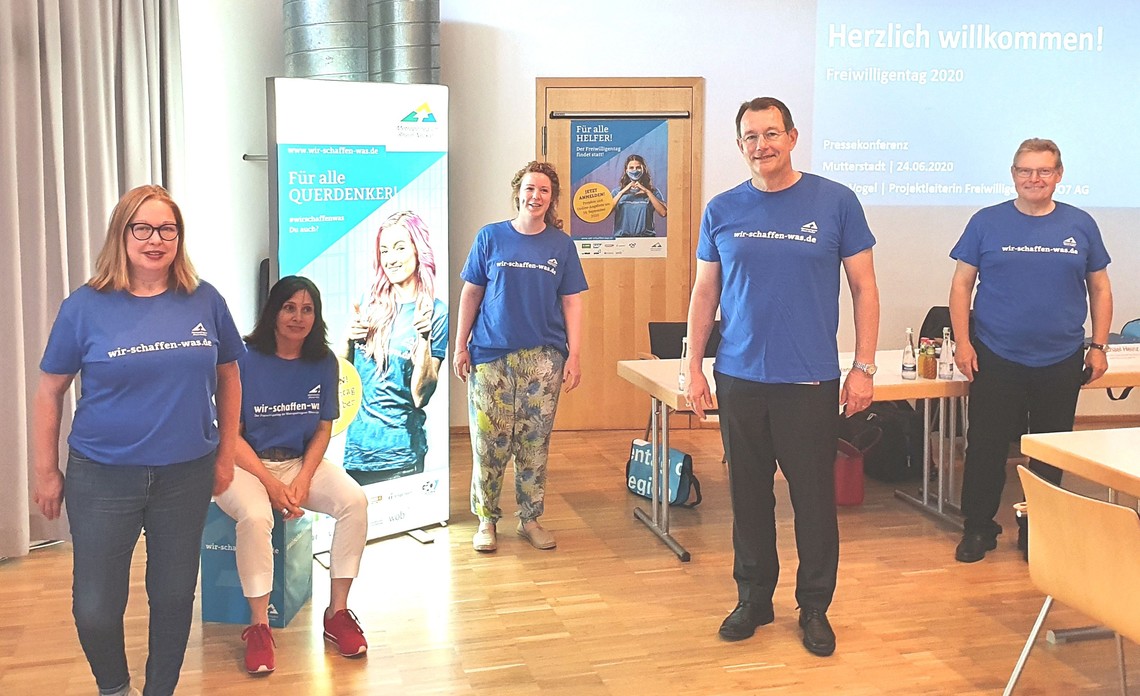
<point>156,349</point>
<point>398,341</point>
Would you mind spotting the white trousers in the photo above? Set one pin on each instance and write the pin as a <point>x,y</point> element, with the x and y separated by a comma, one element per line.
<point>333,492</point>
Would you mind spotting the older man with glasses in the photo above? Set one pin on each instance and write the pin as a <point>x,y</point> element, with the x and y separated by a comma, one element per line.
<point>1039,266</point>
<point>770,254</point>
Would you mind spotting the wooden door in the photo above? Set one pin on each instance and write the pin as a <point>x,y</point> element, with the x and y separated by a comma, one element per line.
<point>626,293</point>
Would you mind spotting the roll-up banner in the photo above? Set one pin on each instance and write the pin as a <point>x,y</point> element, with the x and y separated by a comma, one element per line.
<point>358,204</point>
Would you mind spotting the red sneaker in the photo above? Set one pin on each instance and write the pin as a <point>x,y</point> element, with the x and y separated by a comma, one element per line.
<point>343,629</point>
<point>258,649</point>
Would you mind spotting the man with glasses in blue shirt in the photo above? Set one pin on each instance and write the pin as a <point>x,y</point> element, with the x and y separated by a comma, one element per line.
<point>1039,266</point>
<point>769,255</point>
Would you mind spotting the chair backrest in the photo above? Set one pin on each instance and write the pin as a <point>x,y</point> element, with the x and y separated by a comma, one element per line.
<point>665,339</point>
<point>936,319</point>
<point>1131,329</point>
<point>1085,553</point>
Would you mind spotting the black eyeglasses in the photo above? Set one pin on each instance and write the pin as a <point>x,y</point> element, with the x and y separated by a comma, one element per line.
<point>143,231</point>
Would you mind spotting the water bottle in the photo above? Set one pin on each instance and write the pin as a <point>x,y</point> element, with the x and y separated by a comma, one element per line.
<point>946,356</point>
<point>909,364</point>
<point>683,371</point>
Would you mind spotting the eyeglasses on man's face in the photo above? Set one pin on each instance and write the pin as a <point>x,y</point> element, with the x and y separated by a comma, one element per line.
<point>143,231</point>
<point>1026,172</point>
<point>769,136</point>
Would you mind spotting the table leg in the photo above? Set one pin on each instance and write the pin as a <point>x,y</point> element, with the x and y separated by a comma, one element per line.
<point>934,508</point>
<point>659,500</point>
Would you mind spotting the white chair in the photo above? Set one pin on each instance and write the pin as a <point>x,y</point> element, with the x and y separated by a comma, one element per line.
<point>1084,553</point>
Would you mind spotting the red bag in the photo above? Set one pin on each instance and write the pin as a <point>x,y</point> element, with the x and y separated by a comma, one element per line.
<point>849,466</point>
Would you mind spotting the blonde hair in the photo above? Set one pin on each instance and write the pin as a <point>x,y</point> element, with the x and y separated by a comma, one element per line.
<point>379,310</point>
<point>112,268</point>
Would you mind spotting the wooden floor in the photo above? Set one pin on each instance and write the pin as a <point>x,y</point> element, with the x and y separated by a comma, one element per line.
<point>611,611</point>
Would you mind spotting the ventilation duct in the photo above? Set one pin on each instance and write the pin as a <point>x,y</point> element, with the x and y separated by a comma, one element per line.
<point>385,41</point>
<point>403,38</point>
<point>327,39</point>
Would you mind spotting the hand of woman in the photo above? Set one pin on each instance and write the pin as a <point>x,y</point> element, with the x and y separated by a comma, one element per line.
<point>282,500</point>
<point>223,476</point>
<point>49,493</point>
<point>636,188</point>
<point>421,321</point>
<point>299,489</point>
<point>572,373</point>
<point>357,329</point>
<point>461,363</point>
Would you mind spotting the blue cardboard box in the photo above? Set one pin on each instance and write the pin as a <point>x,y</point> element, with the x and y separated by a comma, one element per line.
<point>222,598</point>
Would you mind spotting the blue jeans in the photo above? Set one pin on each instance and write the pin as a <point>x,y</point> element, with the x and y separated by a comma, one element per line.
<point>107,507</point>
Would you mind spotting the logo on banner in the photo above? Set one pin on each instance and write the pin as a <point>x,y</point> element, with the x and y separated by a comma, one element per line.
<point>422,114</point>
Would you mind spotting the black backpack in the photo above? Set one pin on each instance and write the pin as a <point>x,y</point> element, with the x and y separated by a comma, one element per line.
<point>898,454</point>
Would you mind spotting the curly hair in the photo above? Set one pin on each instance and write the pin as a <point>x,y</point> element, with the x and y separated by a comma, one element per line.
<point>536,167</point>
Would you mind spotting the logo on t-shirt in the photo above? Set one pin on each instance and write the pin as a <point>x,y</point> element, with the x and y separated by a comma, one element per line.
<point>552,263</point>
<point>198,330</point>
<point>810,228</point>
<point>1070,242</point>
<point>315,393</point>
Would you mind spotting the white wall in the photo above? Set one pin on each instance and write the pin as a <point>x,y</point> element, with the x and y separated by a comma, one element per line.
<point>229,47</point>
<point>491,53</point>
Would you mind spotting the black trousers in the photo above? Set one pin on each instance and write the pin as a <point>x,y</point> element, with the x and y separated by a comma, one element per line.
<point>1003,396</point>
<point>796,427</point>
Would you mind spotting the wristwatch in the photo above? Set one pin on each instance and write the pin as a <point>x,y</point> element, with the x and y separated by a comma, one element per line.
<point>1099,346</point>
<point>868,369</point>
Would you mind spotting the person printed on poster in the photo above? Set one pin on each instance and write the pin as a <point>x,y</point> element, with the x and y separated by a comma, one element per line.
<point>636,201</point>
<point>397,341</point>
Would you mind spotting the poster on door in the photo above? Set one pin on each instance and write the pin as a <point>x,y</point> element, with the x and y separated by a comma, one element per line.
<point>618,175</point>
<point>358,178</point>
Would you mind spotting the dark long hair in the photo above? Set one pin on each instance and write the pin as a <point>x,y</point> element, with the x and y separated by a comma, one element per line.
<point>263,338</point>
<point>646,181</point>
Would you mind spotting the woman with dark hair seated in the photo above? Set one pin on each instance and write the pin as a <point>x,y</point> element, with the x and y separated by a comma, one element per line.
<point>289,402</point>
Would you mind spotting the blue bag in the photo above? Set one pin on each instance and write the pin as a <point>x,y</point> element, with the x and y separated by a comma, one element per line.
<point>683,484</point>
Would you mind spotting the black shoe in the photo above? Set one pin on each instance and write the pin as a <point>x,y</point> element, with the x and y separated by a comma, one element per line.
<point>744,620</point>
<point>973,546</point>
<point>819,639</point>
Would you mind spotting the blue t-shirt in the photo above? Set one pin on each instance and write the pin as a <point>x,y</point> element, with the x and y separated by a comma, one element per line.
<point>779,254</point>
<point>148,372</point>
<point>1031,301</point>
<point>633,214</point>
<point>283,401</point>
<point>525,277</point>
<point>388,431</point>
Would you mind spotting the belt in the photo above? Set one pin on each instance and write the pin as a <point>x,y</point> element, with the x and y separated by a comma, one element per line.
<point>278,454</point>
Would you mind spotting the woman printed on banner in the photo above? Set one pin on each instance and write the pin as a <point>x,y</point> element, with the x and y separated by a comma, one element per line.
<point>517,346</point>
<point>154,433</point>
<point>636,201</point>
<point>398,340</point>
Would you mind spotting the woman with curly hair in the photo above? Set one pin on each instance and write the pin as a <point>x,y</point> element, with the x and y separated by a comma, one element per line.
<point>517,347</point>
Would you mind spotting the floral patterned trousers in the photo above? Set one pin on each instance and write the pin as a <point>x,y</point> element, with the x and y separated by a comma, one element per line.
<point>512,402</point>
